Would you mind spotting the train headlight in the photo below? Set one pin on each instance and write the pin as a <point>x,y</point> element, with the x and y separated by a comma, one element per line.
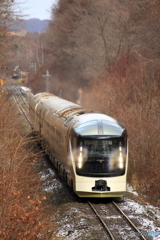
<point>121,158</point>
<point>121,162</point>
<point>80,156</point>
<point>80,161</point>
<point>117,159</point>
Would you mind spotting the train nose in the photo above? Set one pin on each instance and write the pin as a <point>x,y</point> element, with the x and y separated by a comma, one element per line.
<point>100,185</point>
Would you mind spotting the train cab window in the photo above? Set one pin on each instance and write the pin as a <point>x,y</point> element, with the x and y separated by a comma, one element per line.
<point>100,157</point>
<point>88,128</point>
<point>86,124</point>
<point>111,129</point>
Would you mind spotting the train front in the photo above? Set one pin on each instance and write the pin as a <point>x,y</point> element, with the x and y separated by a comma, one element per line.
<point>100,158</point>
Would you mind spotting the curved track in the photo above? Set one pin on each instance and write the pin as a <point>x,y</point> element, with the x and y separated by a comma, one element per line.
<point>115,221</point>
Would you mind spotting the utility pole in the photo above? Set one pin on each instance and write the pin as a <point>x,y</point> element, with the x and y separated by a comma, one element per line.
<point>46,76</point>
<point>33,65</point>
<point>42,54</point>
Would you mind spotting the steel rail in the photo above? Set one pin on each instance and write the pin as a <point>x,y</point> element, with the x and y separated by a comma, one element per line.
<point>23,99</point>
<point>22,110</point>
<point>20,94</point>
<point>101,220</point>
<point>123,214</point>
<point>131,223</point>
<point>18,104</point>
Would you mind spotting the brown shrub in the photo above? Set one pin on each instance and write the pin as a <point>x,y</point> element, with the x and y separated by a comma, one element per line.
<point>22,214</point>
<point>135,103</point>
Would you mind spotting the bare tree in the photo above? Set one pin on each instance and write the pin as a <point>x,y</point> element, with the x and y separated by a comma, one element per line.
<point>8,17</point>
<point>86,37</point>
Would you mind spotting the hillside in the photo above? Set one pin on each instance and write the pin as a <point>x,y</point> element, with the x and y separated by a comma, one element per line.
<point>31,25</point>
<point>36,25</point>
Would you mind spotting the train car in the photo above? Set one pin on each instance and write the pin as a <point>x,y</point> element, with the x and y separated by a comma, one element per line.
<point>25,91</point>
<point>88,148</point>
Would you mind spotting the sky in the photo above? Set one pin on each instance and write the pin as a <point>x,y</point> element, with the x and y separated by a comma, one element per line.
<point>36,8</point>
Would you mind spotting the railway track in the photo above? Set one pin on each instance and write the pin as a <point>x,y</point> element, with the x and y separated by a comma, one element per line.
<point>116,223</point>
<point>20,99</point>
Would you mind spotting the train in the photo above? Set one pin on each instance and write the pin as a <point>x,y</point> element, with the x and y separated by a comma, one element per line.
<point>88,148</point>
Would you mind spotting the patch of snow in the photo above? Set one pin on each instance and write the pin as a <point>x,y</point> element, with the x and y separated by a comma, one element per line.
<point>46,174</point>
<point>130,189</point>
<point>150,223</point>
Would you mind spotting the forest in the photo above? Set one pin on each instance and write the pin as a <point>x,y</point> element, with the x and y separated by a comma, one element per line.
<point>111,50</point>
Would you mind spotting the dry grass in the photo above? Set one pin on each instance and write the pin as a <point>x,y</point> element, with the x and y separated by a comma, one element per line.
<point>22,214</point>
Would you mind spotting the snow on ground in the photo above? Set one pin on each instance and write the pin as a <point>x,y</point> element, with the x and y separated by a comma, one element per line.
<point>148,215</point>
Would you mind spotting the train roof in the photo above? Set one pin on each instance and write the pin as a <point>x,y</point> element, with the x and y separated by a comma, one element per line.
<point>98,124</point>
<point>55,103</point>
<point>84,122</point>
<point>95,116</point>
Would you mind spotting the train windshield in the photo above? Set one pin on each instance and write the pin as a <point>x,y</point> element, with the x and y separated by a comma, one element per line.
<point>101,157</point>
